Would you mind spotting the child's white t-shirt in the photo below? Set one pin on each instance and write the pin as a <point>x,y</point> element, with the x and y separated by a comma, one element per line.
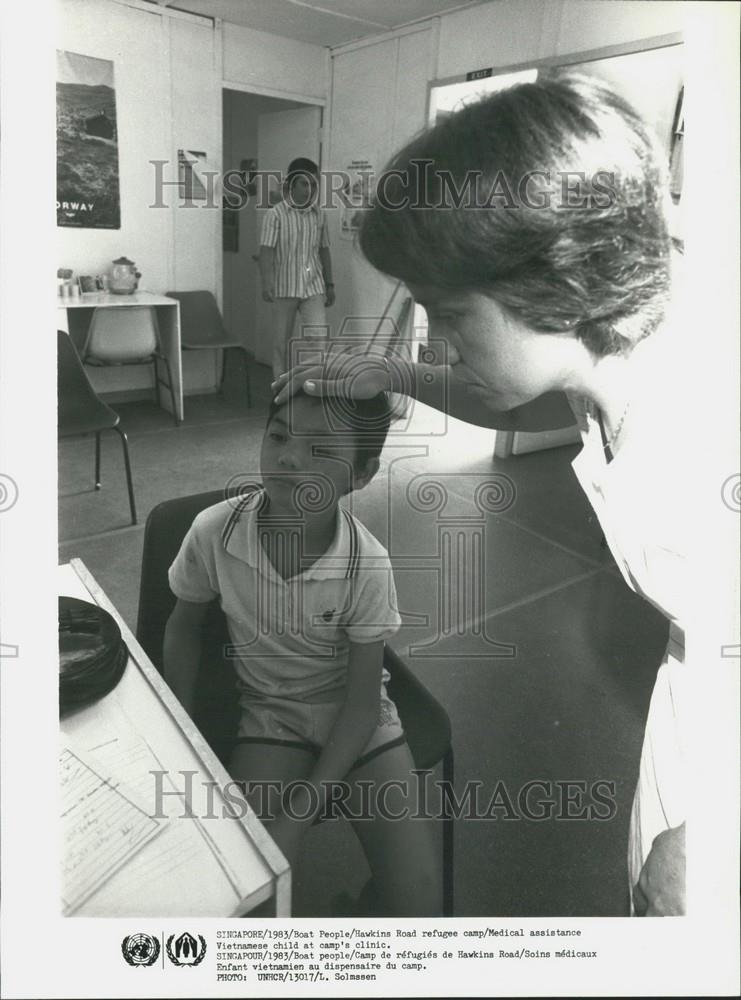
<point>291,637</point>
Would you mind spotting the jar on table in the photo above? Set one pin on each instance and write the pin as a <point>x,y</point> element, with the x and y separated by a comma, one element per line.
<point>124,278</point>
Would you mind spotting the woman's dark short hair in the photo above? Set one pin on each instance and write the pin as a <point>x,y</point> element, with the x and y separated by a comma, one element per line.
<point>549,197</point>
<point>365,421</point>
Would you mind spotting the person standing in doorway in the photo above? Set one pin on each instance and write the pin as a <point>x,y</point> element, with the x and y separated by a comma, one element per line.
<point>295,261</point>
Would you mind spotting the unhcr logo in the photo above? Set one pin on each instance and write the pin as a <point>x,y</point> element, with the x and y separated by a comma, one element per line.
<point>186,950</point>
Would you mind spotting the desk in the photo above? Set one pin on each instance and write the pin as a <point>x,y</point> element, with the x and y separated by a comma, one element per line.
<point>80,312</point>
<point>208,866</point>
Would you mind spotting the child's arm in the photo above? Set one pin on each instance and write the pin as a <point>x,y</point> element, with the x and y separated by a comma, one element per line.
<point>350,734</point>
<point>358,717</point>
<point>267,273</point>
<point>182,650</point>
<point>325,258</point>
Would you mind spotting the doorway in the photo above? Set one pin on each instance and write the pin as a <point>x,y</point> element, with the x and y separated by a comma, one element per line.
<point>263,134</point>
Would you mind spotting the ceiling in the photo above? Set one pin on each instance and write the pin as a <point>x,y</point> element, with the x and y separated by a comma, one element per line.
<point>322,22</point>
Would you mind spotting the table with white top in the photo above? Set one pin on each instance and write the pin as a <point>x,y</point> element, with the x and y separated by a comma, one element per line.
<point>209,855</point>
<point>80,313</point>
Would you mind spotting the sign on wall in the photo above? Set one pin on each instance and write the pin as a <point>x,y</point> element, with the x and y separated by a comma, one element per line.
<point>192,182</point>
<point>87,143</point>
<point>358,190</point>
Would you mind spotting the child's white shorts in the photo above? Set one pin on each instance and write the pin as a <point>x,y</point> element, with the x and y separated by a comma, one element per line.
<point>307,726</point>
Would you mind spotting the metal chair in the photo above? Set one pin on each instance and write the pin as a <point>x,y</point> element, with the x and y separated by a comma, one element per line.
<point>425,721</point>
<point>202,329</point>
<point>81,411</point>
<point>128,336</point>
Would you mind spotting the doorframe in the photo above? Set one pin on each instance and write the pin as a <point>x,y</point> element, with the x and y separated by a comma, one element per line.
<point>281,95</point>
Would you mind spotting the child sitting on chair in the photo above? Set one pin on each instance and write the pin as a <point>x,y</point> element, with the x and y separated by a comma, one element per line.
<point>309,599</point>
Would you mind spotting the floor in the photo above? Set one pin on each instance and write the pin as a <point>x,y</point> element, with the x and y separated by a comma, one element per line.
<point>544,660</point>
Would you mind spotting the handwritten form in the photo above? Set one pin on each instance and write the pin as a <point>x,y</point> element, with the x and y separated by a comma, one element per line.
<point>101,826</point>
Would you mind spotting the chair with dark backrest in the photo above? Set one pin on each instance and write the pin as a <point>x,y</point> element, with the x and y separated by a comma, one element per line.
<point>129,336</point>
<point>202,329</point>
<point>425,721</point>
<point>81,411</point>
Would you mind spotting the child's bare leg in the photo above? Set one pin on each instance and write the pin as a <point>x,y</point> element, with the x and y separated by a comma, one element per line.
<point>275,767</point>
<point>313,327</point>
<point>267,771</point>
<point>285,317</point>
<point>401,852</point>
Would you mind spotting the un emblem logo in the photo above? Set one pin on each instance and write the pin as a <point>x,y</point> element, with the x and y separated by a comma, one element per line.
<point>186,950</point>
<point>140,949</point>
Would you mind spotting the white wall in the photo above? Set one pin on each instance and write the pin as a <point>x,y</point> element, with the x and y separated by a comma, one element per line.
<point>379,89</point>
<point>513,31</point>
<point>589,24</point>
<point>270,63</point>
<point>379,98</point>
<point>196,109</point>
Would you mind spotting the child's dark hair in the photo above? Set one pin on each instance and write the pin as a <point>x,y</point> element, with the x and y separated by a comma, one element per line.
<point>304,168</point>
<point>600,269</point>
<point>366,421</point>
<point>302,165</point>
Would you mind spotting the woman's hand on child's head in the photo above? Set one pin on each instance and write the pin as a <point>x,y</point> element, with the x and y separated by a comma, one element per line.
<point>268,293</point>
<point>354,373</point>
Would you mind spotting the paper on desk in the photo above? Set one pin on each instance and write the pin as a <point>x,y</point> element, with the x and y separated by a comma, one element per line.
<point>102,828</point>
<point>194,867</point>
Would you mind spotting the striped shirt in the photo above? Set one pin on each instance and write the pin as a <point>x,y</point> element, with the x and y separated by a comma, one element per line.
<point>297,235</point>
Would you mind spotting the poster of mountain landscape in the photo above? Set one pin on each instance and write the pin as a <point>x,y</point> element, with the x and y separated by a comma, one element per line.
<point>87,143</point>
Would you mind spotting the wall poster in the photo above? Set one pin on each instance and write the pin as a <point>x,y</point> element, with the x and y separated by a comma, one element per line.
<point>87,143</point>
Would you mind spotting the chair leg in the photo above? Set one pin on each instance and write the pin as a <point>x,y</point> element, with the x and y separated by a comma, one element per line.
<point>223,370</point>
<point>127,464</point>
<point>247,377</point>
<point>448,846</point>
<point>170,386</point>
<point>97,460</point>
<point>156,383</point>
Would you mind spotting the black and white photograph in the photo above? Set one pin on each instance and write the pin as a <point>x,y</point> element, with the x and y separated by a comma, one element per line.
<point>369,519</point>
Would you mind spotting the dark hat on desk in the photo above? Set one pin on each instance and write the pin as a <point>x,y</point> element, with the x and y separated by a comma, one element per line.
<point>92,654</point>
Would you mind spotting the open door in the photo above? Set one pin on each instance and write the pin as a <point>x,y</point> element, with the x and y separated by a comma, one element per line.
<point>282,136</point>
